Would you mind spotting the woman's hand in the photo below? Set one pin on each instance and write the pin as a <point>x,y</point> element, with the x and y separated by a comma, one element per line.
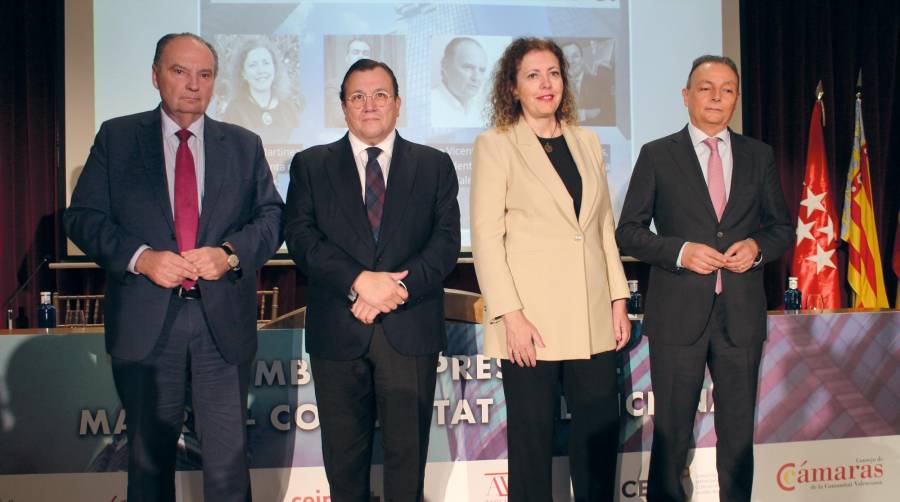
<point>521,338</point>
<point>621,324</point>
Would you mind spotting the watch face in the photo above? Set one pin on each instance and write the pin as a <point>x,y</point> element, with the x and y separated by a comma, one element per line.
<point>233,261</point>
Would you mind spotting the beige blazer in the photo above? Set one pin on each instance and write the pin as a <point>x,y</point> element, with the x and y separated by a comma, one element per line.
<point>531,252</point>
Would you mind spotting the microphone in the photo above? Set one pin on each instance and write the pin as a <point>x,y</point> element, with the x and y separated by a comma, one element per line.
<point>9,311</point>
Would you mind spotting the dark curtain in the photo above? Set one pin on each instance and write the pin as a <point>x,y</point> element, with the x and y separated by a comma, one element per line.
<point>787,47</point>
<point>29,177</point>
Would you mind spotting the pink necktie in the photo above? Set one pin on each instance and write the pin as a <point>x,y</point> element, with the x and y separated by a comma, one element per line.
<point>715,181</point>
<point>187,213</point>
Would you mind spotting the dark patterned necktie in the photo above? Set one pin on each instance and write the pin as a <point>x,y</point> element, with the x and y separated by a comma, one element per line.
<point>187,213</point>
<point>374,191</point>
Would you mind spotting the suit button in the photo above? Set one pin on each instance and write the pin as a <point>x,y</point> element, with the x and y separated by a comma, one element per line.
<point>720,235</point>
<point>578,237</point>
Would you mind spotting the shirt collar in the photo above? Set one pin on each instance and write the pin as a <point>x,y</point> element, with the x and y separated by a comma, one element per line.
<point>169,127</point>
<point>698,136</point>
<point>386,145</point>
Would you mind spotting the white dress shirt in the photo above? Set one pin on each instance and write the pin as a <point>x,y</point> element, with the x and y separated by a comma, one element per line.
<point>697,139</point>
<point>703,152</point>
<point>361,156</point>
<point>448,111</point>
<point>170,148</point>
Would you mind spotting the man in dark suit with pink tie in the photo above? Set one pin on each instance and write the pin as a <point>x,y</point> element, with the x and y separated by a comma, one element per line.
<point>180,211</point>
<point>719,212</point>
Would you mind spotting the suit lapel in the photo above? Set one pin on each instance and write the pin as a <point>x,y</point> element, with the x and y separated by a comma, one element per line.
<point>151,145</point>
<point>401,176</point>
<point>740,170</point>
<point>587,169</point>
<point>539,164</point>
<point>686,157</point>
<point>216,164</point>
<point>344,178</point>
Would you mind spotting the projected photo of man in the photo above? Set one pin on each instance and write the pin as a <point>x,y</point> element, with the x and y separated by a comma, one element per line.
<point>593,80</point>
<point>341,51</point>
<point>458,99</point>
<point>261,98</point>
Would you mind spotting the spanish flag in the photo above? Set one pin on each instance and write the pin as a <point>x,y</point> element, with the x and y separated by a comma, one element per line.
<point>864,270</point>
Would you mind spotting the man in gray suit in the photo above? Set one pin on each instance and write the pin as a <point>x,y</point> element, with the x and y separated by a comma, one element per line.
<point>719,211</point>
<point>180,211</point>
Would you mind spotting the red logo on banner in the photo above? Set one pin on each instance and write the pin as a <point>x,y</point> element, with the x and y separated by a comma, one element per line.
<point>499,484</point>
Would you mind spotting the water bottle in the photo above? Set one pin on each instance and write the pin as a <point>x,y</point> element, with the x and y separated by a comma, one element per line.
<point>792,297</point>
<point>636,301</point>
<point>46,312</point>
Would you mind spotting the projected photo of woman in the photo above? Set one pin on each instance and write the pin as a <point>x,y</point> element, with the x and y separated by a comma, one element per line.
<point>261,98</point>
<point>550,273</point>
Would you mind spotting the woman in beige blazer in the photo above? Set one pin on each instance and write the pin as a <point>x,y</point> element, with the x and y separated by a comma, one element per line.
<point>550,274</point>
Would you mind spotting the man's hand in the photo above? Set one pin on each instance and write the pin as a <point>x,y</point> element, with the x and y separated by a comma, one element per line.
<point>165,268</point>
<point>381,290</point>
<point>211,262</point>
<point>740,256</point>
<point>701,258</point>
<point>521,338</point>
<point>621,324</point>
<point>363,311</point>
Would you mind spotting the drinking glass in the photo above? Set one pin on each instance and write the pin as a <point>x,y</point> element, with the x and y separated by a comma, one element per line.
<point>815,302</point>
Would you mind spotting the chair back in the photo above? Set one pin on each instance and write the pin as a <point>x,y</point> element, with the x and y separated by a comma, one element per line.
<point>78,310</point>
<point>267,305</point>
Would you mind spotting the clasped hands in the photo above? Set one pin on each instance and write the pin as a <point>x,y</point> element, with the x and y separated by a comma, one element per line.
<point>377,293</point>
<point>703,259</point>
<point>169,270</point>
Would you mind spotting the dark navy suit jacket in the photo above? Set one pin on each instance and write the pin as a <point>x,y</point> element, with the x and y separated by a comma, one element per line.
<point>330,238</point>
<point>121,202</point>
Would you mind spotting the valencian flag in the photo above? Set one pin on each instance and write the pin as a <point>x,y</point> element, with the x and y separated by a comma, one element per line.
<point>815,260</point>
<point>864,272</point>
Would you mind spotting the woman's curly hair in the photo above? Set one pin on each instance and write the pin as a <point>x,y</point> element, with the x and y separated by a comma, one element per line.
<point>505,107</point>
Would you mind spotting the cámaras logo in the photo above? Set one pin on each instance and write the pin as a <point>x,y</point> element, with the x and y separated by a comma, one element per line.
<point>792,475</point>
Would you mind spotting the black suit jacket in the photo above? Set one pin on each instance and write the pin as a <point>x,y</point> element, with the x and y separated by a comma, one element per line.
<point>121,201</point>
<point>330,239</point>
<point>667,186</point>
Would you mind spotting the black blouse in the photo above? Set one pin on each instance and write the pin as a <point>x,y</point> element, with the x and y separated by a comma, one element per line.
<point>562,161</point>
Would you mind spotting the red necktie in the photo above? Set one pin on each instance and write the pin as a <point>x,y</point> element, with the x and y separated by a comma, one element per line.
<point>715,181</point>
<point>187,212</point>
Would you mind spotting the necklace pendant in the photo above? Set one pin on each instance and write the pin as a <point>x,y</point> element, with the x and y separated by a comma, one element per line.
<point>548,147</point>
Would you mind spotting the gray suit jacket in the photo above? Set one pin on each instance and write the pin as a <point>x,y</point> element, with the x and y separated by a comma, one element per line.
<point>667,187</point>
<point>121,201</point>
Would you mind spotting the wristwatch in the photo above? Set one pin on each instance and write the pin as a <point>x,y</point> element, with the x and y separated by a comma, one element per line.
<point>234,263</point>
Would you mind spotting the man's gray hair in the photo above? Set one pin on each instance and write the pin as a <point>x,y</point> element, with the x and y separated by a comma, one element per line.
<point>164,41</point>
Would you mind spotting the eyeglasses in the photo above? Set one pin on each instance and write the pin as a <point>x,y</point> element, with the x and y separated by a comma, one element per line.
<point>379,98</point>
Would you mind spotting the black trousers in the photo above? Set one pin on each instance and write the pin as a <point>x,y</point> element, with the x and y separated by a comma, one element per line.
<point>399,391</point>
<point>677,373</point>
<point>532,400</point>
<point>153,392</point>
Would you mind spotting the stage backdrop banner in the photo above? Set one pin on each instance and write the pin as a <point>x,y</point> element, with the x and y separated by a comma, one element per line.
<point>828,421</point>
